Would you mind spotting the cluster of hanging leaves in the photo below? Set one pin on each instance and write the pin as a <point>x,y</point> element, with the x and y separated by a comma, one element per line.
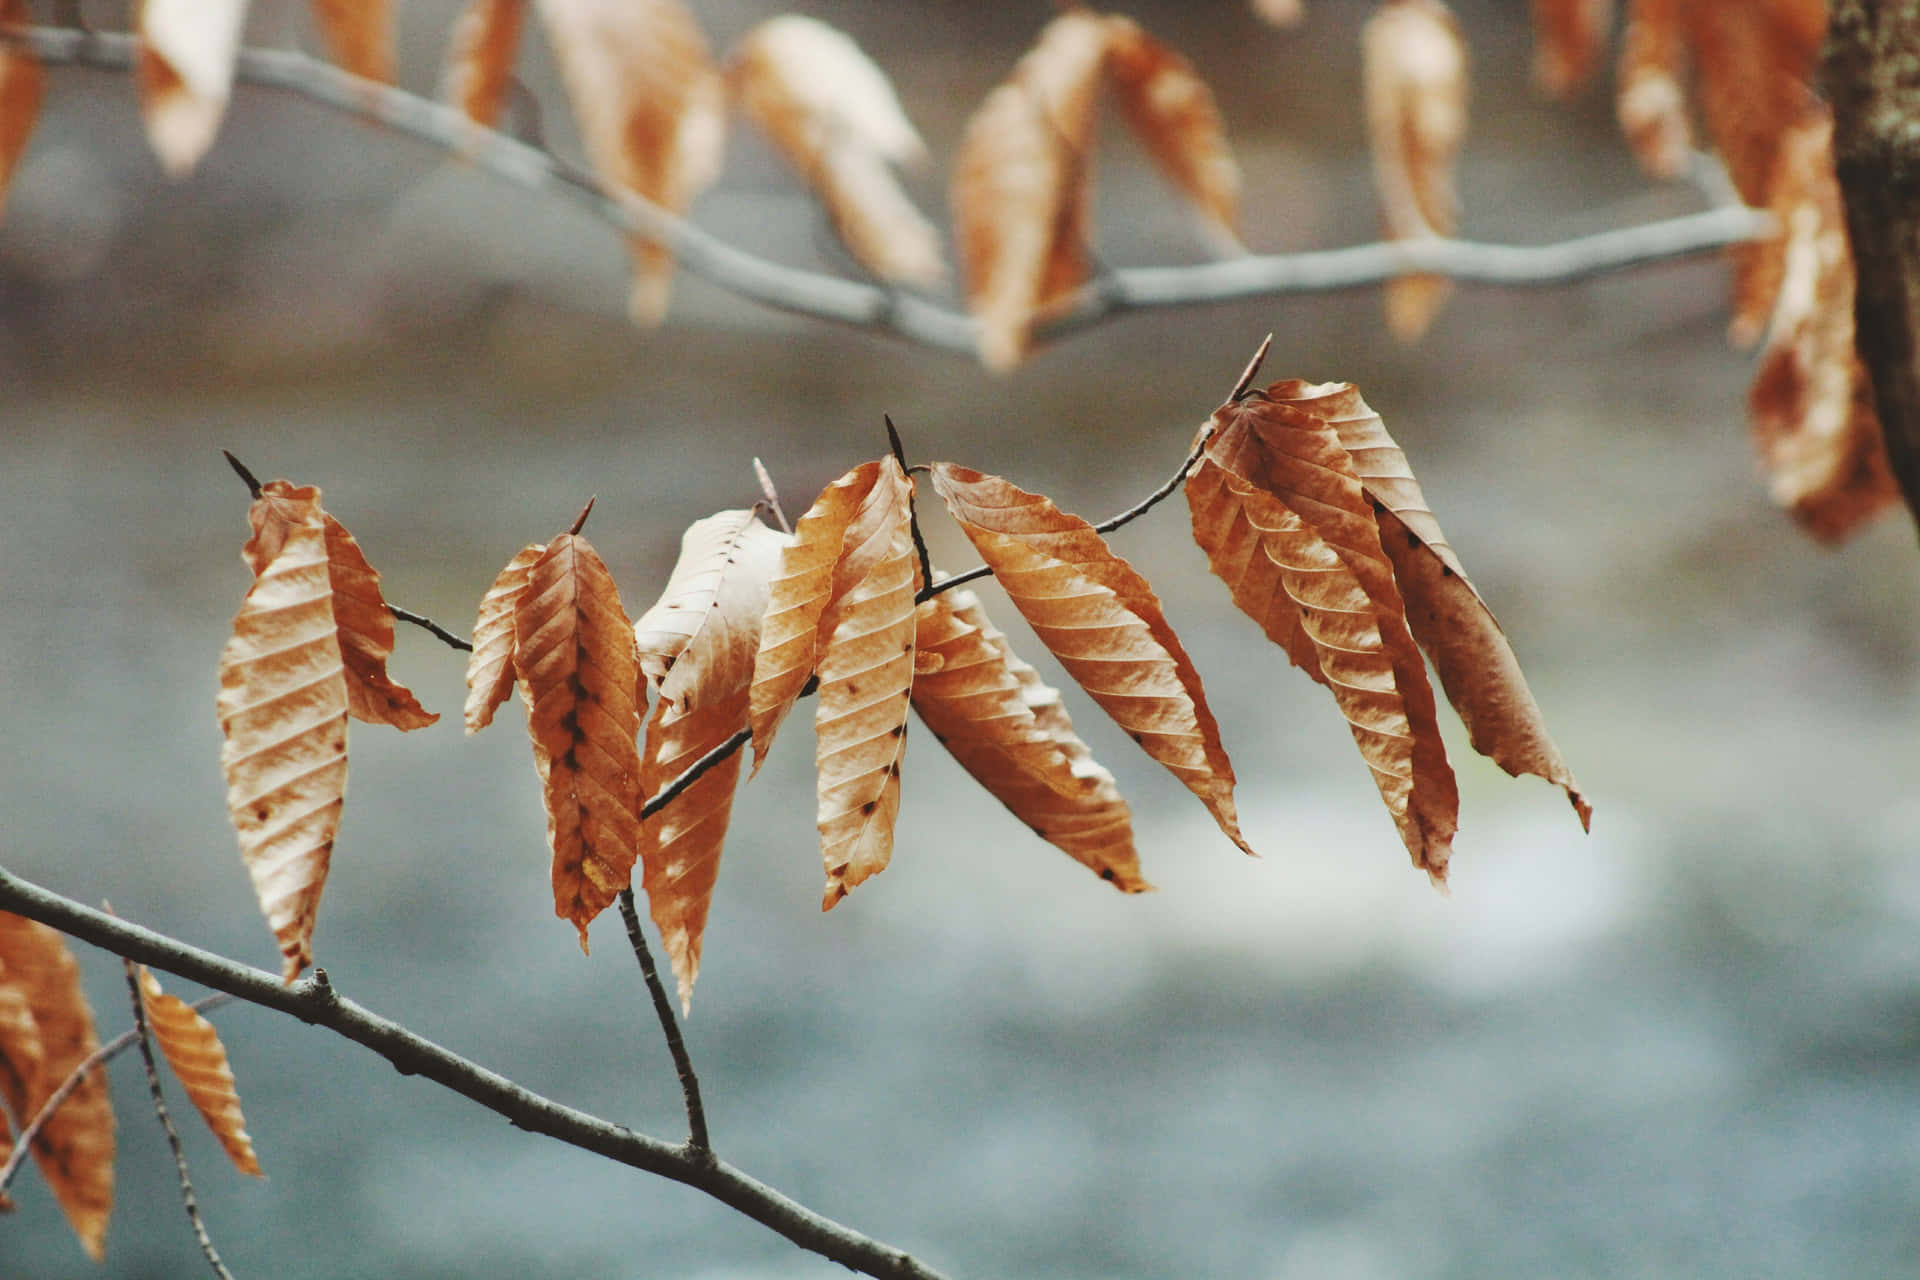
<point>47,1043</point>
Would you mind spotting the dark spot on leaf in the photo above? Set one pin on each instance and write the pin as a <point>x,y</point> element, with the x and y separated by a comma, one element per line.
<point>852,687</point>
<point>1106,873</point>
<point>897,730</point>
<point>1134,736</point>
<point>1413,539</point>
<point>261,812</point>
<point>867,808</point>
<point>1446,571</point>
<point>839,872</point>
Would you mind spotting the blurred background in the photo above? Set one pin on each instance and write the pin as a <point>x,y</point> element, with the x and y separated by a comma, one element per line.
<point>1688,1044</point>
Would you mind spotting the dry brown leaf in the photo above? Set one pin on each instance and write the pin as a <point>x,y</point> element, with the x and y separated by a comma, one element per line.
<point>360,33</point>
<point>573,648</point>
<point>697,643</point>
<point>1022,185</point>
<point>1476,664</point>
<point>1007,728</point>
<point>480,57</point>
<point>22,85</point>
<point>791,634</point>
<point>490,671</point>
<point>835,117</point>
<point>1414,69</point>
<point>1173,113</point>
<point>193,1049</point>
<point>187,50</point>
<point>1104,623</point>
<point>866,669</point>
<point>1650,99</point>
<point>1569,40</point>
<point>1281,13</point>
<point>651,109</point>
<point>359,610</point>
<point>74,1150</point>
<point>1811,406</point>
<point>21,1049</point>
<point>1298,487</point>
<point>283,715</point>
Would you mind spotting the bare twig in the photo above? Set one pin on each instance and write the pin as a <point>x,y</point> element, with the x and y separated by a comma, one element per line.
<point>906,315</point>
<point>913,513</point>
<point>439,632</point>
<point>669,1026</point>
<point>240,469</point>
<point>773,496</point>
<point>166,1124</point>
<point>665,795</point>
<point>413,1054</point>
<point>98,1058</point>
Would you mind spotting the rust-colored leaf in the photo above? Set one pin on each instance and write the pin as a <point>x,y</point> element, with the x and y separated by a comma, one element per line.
<point>651,108</point>
<point>1173,113</point>
<point>1007,728</point>
<point>360,33</point>
<point>74,1149</point>
<point>1298,488</point>
<point>490,670</point>
<point>1569,42</point>
<point>573,648</point>
<point>1476,664</point>
<point>283,715</point>
<point>1651,101</point>
<point>359,610</point>
<point>1414,68</point>
<point>22,85</point>
<point>835,117</point>
<point>1811,406</point>
<point>480,57</point>
<point>698,643</point>
<point>193,1049</point>
<point>187,50</point>
<point>1022,185</point>
<point>1104,623</point>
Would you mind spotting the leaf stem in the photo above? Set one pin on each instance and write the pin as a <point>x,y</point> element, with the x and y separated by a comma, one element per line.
<point>669,1025</point>
<point>439,632</point>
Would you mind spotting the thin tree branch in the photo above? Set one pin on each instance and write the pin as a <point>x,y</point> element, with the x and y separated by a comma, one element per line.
<point>773,496</point>
<point>166,1124</point>
<point>98,1058</point>
<point>913,513</point>
<point>317,1003</point>
<point>905,315</point>
<point>669,1025</point>
<point>665,795</point>
<point>439,632</point>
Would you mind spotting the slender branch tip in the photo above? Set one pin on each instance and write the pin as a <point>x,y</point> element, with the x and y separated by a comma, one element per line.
<point>1251,372</point>
<point>580,521</point>
<point>240,469</point>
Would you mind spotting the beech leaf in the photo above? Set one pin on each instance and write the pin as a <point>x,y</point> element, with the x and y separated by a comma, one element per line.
<point>480,58</point>
<point>1569,41</point>
<point>651,109</point>
<point>74,1149</point>
<point>833,114</point>
<point>360,33</point>
<point>700,638</point>
<point>573,648</point>
<point>22,85</point>
<point>1650,100</point>
<point>490,669</point>
<point>1173,113</point>
<point>1414,71</point>
<point>1103,622</point>
<point>1007,728</point>
<point>187,51</point>
<point>283,717</point>
<point>193,1049</point>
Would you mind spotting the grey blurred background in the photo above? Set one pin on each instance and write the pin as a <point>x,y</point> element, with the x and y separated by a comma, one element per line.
<point>1688,1044</point>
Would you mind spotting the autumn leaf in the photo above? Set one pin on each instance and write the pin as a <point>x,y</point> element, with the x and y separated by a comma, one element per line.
<point>573,648</point>
<point>1022,185</point>
<point>1173,113</point>
<point>22,85</point>
<point>283,717</point>
<point>1651,99</point>
<point>1811,405</point>
<point>1296,486</point>
<point>834,116</point>
<point>74,1149</point>
<point>1569,41</point>
<point>1101,619</point>
<point>480,57</point>
<point>360,33</point>
<point>651,109</point>
<point>360,611</point>
<point>187,51</point>
<point>1007,728</point>
<point>697,644</point>
<point>490,669</point>
<point>193,1049</point>
<point>1414,69</point>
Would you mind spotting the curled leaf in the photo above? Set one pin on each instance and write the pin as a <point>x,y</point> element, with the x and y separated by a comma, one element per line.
<point>573,648</point>
<point>74,1149</point>
<point>717,553</point>
<point>1007,728</point>
<point>1101,619</point>
<point>283,717</point>
<point>1173,113</point>
<point>360,32</point>
<point>490,669</point>
<point>834,116</point>
<point>22,85</point>
<point>193,1049</point>
<point>480,57</point>
<point>187,51</point>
